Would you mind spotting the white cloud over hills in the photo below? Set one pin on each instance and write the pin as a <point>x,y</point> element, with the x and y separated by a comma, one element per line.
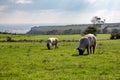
<point>78,13</point>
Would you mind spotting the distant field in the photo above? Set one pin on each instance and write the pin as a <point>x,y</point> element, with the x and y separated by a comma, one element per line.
<point>45,37</point>
<point>32,61</point>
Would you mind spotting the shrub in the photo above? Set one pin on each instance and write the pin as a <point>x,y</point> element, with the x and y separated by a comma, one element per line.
<point>9,39</point>
<point>115,36</point>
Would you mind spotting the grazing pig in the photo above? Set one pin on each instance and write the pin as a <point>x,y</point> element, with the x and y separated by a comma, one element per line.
<point>87,42</point>
<point>52,42</point>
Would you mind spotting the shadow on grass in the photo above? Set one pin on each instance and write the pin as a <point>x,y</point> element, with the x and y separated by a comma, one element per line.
<point>49,49</point>
<point>45,49</point>
<point>79,55</point>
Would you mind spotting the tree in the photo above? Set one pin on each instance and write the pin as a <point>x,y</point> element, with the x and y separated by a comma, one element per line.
<point>91,29</point>
<point>98,22</point>
<point>95,20</point>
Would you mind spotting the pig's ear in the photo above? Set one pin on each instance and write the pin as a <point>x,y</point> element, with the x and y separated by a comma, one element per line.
<point>77,49</point>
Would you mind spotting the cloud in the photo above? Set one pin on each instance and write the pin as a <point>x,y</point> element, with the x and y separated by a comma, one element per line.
<point>109,15</point>
<point>22,1</point>
<point>43,16</point>
<point>2,8</point>
<point>91,1</point>
<point>97,1</point>
<point>54,11</point>
<point>52,16</point>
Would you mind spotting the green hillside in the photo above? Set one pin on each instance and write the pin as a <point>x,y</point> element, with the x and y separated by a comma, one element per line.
<point>73,28</point>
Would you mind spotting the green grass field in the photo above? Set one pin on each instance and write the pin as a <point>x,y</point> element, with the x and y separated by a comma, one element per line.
<point>32,60</point>
<point>44,37</point>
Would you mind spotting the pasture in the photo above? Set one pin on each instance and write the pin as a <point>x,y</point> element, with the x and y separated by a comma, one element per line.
<point>32,60</point>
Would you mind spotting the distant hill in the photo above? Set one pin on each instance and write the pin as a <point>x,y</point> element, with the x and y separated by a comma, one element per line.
<point>68,29</point>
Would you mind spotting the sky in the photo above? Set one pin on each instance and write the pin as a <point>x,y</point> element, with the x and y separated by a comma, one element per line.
<point>58,11</point>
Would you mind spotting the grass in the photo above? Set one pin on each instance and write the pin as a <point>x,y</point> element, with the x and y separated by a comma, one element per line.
<point>44,37</point>
<point>32,61</point>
